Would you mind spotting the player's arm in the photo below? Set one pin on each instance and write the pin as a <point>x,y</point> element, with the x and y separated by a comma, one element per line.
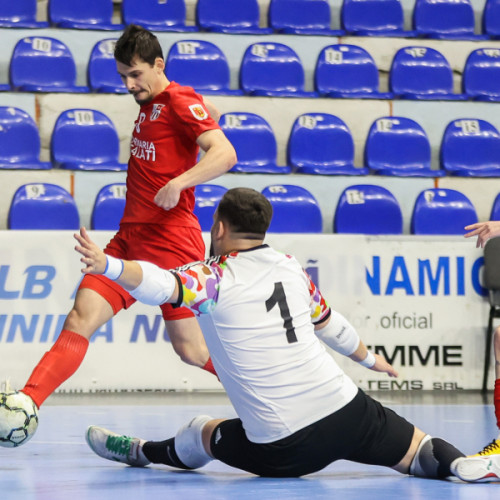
<point>145,281</point>
<point>195,286</point>
<point>484,231</point>
<point>338,334</point>
<point>219,157</point>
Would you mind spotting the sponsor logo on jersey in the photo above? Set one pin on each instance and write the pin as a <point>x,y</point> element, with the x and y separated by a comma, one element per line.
<point>143,150</point>
<point>155,114</point>
<point>198,111</point>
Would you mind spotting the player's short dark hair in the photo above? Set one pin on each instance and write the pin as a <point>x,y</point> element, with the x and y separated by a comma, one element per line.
<point>136,41</point>
<point>246,211</point>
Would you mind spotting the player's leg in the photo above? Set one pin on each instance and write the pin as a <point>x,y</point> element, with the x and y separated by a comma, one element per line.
<point>396,443</point>
<point>428,457</point>
<point>194,445</point>
<point>189,449</point>
<point>187,340</point>
<point>436,458</point>
<point>493,448</point>
<point>186,337</point>
<point>96,301</point>
<point>170,247</point>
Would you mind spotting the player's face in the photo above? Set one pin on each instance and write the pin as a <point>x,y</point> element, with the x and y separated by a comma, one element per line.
<point>142,80</point>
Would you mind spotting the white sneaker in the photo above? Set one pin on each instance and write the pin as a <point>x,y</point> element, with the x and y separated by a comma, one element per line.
<point>112,446</point>
<point>477,469</point>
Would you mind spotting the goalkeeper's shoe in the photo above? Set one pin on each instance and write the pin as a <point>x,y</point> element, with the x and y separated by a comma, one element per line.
<point>112,446</point>
<point>477,469</point>
<point>490,449</point>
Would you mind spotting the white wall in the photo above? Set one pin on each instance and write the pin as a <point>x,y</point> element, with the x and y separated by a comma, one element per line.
<point>417,300</point>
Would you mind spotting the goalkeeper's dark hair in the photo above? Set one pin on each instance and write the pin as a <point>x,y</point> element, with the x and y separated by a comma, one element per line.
<point>246,211</point>
<point>138,42</point>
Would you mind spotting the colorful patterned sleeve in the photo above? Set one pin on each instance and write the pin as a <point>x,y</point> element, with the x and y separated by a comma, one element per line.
<point>320,309</point>
<point>199,285</point>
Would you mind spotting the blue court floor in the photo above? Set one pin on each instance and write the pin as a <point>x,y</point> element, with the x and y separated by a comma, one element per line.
<point>58,465</point>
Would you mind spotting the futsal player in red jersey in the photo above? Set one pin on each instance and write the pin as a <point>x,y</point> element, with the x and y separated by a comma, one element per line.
<point>158,223</point>
<point>484,231</point>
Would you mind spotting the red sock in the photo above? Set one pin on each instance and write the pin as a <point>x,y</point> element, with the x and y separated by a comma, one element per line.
<point>496,400</point>
<point>209,367</point>
<point>56,366</point>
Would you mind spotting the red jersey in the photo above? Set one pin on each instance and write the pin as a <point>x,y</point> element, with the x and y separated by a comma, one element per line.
<point>163,147</point>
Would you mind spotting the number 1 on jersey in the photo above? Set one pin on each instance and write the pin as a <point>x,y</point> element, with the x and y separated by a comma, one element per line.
<point>279,297</point>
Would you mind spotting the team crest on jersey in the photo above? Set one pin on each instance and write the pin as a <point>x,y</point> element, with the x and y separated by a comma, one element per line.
<point>198,111</point>
<point>155,114</point>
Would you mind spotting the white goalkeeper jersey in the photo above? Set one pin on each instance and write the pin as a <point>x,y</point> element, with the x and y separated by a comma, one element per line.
<point>275,370</point>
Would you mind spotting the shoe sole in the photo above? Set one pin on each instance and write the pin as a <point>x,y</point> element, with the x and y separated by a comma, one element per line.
<point>478,469</point>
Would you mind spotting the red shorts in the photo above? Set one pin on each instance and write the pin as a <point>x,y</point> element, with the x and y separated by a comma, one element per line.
<point>166,246</point>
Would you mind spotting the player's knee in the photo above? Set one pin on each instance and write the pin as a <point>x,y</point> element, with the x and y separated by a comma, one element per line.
<point>187,341</point>
<point>189,443</point>
<point>191,351</point>
<point>433,458</point>
<point>184,352</point>
<point>188,353</point>
<point>82,324</point>
<point>75,321</point>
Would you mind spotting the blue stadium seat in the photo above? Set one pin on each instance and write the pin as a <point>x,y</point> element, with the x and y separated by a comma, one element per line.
<point>101,70</point>
<point>19,140</point>
<point>201,65</point>
<point>295,210</point>
<point>344,70</point>
<point>207,197</point>
<point>228,16</point>
<point>85,139</point>
<point>422,73</point>
<point>495,209</point>
<point>82,14</point>
<point>399,146</point>
<point>445,19</point>
<point>374,18</point>
<point>43,64</point>
<point>43,206</point>
<point>254,142</point>
<point>272,69</point>
<point>322,144</point>
<point>442,211</point>
<point>157,15</point>
<point>491,18</point>
<point>19,14</point>
<point>471,148</point>
<point>481,76</point>
<point>367,209</point>
<point>108,207</point>
<point>301,17</point>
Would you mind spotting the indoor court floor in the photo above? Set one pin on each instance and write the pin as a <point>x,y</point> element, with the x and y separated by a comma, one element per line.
<point>57,464</point>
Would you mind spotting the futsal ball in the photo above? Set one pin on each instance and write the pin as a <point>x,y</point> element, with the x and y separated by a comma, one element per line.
<point>18,419</point>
